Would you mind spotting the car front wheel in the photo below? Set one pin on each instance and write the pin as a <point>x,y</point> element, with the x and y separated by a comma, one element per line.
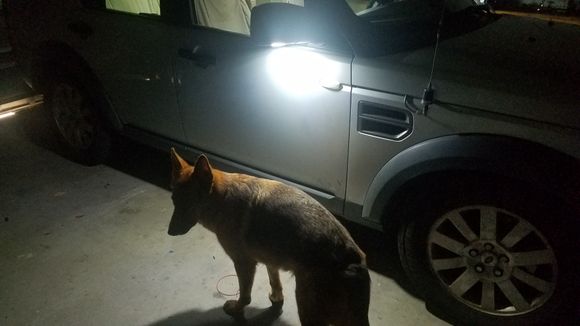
<point>483,251</point>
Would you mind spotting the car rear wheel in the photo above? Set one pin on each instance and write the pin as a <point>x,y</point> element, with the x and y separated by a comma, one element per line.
<point>80,128</point>
<point>485,251</point>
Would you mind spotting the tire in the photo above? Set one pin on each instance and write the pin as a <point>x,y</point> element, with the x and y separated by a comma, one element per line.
<point>485,251</point>
<point>81,131</point>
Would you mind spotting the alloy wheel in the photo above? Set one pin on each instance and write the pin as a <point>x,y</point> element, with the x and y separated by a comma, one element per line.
<point>492,260</point>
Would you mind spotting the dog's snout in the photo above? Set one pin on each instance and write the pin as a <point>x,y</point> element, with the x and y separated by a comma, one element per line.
<point>172,232</point>
<point>179,224</point>
<point>175,228</point>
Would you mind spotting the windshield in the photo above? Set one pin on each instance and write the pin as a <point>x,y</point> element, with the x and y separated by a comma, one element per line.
<point>363,6</point>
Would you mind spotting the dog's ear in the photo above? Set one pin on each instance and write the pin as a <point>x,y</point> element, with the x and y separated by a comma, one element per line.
<point>202,170</point>
<point>179,167</point>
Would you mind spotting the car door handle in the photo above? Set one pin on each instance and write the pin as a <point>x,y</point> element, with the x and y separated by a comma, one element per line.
<point>200,59</point>
<point>82,29</point>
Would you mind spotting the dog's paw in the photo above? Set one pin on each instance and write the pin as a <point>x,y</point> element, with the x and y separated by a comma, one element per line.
<point>276,297</point>
<point>234,308</point>
<point>277,306</point>
<point>277,300</point>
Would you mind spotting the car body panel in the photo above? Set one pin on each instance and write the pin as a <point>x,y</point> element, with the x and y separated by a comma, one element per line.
<point>135,67</point>
<point>515,66</point>
<point>408,72</point>
<point>267,108</point>
<point>369,155</point>
<point>476,153</point>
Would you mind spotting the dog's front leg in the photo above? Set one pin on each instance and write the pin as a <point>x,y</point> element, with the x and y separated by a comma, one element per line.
<point>246,269</point>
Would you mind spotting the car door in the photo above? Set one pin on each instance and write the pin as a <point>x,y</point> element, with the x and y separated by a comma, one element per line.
<point>283,111</point>
<point>131,49</point>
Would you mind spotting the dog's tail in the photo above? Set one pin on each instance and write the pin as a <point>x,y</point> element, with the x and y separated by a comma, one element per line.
<point>358,283</point>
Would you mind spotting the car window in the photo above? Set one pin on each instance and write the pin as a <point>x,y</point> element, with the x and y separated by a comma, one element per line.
<point>146,7</point>
<point>227,15</point>
<point>230,15</point>
<point>172,12</point>
<point>359,5</point>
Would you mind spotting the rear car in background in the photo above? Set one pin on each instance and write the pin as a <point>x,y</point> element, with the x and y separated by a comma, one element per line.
<point>453,130</point>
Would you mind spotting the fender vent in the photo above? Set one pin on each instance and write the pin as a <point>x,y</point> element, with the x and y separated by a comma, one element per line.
<point>384,121</point>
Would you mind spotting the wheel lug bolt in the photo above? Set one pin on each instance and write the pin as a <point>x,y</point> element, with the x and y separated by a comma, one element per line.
<point>479,268</point>
<point>473,252</point>
<point>488,246</point>
<point>497,272</point>
<point>504,259</point>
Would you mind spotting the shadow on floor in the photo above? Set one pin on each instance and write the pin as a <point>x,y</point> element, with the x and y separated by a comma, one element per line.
<point>216,317</point>
<point>382,254</point>
<point>142,162</point>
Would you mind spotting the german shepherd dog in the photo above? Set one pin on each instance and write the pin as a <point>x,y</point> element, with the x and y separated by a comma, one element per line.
<point>261,220</point>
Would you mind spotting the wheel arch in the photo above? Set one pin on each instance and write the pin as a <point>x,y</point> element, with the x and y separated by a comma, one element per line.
<point>56,57</point>
<point>533,164</point>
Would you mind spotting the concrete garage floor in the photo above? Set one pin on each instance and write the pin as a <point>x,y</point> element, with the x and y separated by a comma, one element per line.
<point>88,246</point>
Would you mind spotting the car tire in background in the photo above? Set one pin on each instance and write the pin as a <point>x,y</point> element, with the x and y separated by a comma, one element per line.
<point>82,132</point>
<point>487,251</point>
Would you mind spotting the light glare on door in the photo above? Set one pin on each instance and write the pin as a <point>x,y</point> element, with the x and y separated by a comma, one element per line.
<point>299,71</point>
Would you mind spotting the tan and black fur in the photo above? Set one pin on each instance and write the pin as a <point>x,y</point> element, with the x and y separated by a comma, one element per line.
<point>260,220</point>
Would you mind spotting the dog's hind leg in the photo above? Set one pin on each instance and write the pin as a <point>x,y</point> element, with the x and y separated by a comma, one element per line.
<point>308,300</point>
<point>246,269</point>
<point>277,295</point>
<point>357,283</point>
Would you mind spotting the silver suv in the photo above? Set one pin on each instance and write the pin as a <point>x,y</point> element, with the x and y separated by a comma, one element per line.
<point>452,129</point>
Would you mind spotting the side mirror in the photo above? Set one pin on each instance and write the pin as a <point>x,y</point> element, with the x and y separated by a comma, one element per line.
<point>283,23</point>
<point>279,23</point>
